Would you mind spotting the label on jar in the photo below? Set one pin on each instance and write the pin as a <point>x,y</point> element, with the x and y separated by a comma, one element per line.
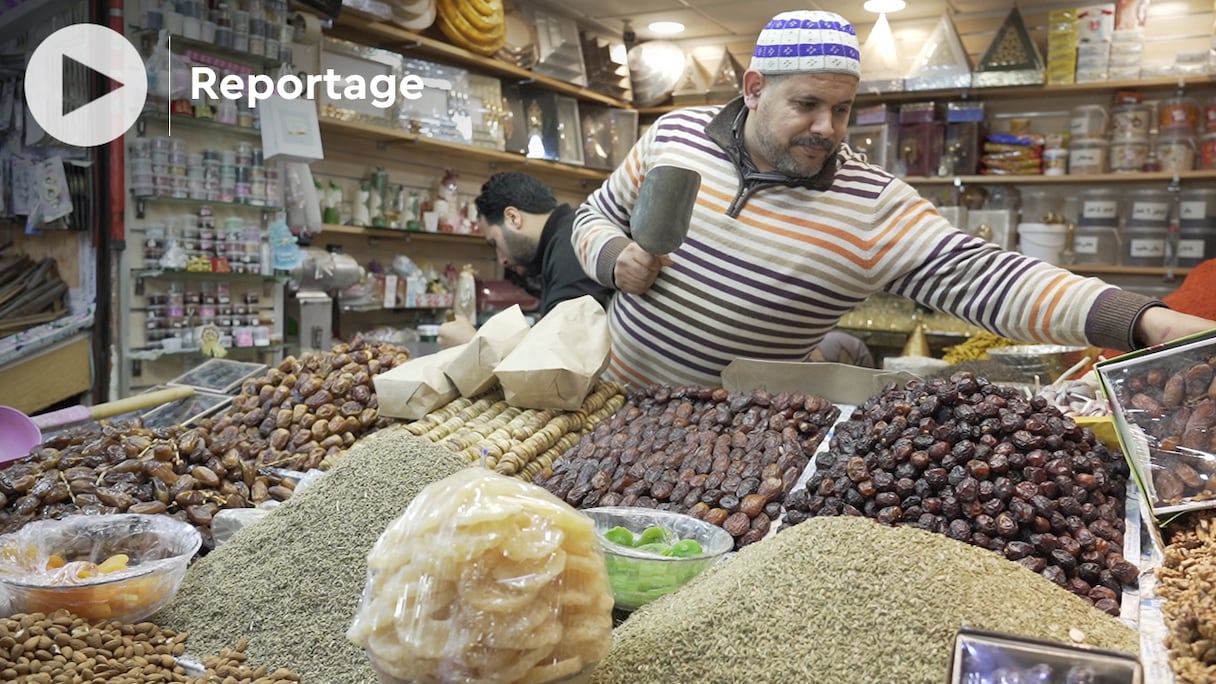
<point>1191,249</point>
<point>1150,211</point>
<point>1087,160</point>
<point>1195,210</point>
<point>1104,209</point>
<point>1146,248</point>
<point>1085,244</point>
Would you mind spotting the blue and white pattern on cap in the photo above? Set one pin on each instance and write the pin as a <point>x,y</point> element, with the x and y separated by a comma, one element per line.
<point>807,41</point>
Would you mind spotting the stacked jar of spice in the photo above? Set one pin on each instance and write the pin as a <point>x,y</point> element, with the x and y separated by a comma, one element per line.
<point>1207,143</point>
<point>1131,120</point>
<point>1177,123</point>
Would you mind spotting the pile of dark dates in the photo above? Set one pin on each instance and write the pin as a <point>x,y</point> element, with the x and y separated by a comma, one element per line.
<point>985,465</point>
<point>1174,402</point>
<point>726,458</point>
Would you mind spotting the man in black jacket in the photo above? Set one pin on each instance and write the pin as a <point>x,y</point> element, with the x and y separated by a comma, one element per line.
<point>530,232</point>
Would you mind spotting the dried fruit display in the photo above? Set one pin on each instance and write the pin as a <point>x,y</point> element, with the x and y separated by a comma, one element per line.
<point>728,458</point>
<point>292,417</point>
<point>126,469</point>
<point>514,441</point>
<point>308,407</point>
<point>982,464</point>
<point>1171,397</point>
<point>1184,580</point>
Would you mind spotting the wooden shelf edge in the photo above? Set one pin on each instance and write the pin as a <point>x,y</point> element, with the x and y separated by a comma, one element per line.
<point>383,134</point>
<point>996,92</point>
<point>360,29</point>
<point>407,235</point>
<point>1098,269</point>
<point>1115,178</point>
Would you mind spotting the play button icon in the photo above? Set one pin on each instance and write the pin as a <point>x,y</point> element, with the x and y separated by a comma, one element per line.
<point>98,49</point>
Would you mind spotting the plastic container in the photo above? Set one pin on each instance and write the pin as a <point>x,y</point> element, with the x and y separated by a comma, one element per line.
<point>1148,208</point>
<point>1209,114</point>
<point>1178,112</point>
<point>1089,121</point>
<point>1099,207</point>
<point>1042,241</point>
<point>1196,244</point>
<point>1197,207</point>
<point>1037,204</point>
<point>1055,161</point>
<point>1131,121</point>
<point>1128,156</point>
<point>1143,246</point>
<point>1096,244</point>
<point>1207,151</point>
<point>1087,156</point>
<point>639,577</point>
<point>87,581</point>
<point>1176,148</point>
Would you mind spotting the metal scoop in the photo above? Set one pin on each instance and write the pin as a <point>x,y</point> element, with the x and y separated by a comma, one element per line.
<point>20,433</point>
<point>664,208</point>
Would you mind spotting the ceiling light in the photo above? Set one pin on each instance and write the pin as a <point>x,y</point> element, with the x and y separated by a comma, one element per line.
<point>667,28</point>
<point>881,6</point>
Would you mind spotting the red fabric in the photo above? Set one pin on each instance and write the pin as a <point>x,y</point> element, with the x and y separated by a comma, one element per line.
<point>1197,294</point>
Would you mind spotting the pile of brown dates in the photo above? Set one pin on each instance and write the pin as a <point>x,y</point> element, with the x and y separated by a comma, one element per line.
<point>983,464</point>
<point>309,407</point>
<point>1174,402</point>
<point>289,419</point>
<point>726,458</point>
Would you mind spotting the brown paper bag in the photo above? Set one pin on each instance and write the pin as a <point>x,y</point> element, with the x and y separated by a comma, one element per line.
<point>559,360</point>
<point>418,386</point>
<point>473,371</point>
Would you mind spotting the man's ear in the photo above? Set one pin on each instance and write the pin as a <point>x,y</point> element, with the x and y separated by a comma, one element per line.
<point>512,219</point>
<point>753,84</point>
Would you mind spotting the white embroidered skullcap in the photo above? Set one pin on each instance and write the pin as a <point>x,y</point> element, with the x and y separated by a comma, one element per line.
<point>807,41</point>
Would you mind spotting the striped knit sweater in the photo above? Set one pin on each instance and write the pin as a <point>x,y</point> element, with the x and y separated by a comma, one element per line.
<point>767,269</point>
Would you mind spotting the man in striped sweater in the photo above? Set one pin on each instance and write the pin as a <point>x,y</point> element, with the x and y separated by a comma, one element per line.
<point>791,230</point>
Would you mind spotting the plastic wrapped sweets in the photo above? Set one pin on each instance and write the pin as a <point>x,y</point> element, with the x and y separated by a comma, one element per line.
<point>485,578</point>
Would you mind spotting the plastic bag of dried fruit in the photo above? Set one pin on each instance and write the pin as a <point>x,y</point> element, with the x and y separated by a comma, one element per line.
<point>485,578</point>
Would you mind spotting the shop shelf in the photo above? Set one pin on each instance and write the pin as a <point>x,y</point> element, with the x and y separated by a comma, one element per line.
<point>388,136</point>
<point>406,235</point>
<point>1006,92</point>
<point>154,354</point>
<point>178,43</point>
<point>1076,179</point>
<point>173,121</point>
<point>142,273</point>
<point>370,31</point>
<point>141,209</point>
<point>1101,270</point>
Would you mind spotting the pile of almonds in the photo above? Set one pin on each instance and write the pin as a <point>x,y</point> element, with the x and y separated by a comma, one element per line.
<point>62,648</point>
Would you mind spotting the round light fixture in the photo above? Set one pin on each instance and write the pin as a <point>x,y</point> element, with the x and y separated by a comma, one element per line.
<point>884,6</point>
<point>666,28</point>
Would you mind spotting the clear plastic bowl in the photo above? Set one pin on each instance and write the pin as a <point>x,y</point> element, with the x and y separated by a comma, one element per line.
<point>158,548</point>
<point>638,577</point>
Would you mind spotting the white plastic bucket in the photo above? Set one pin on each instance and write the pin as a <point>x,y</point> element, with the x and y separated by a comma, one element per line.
<point>1043,241</point>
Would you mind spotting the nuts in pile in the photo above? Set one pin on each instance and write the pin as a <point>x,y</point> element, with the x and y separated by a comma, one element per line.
<point>982,464</point>
<point>62,647</point>
<point>1175,404</point>
<point>309,407</point>
<point>1184,582</point>
<point>178,471</point>
<point>517,442</point>
<point>728,458</point>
